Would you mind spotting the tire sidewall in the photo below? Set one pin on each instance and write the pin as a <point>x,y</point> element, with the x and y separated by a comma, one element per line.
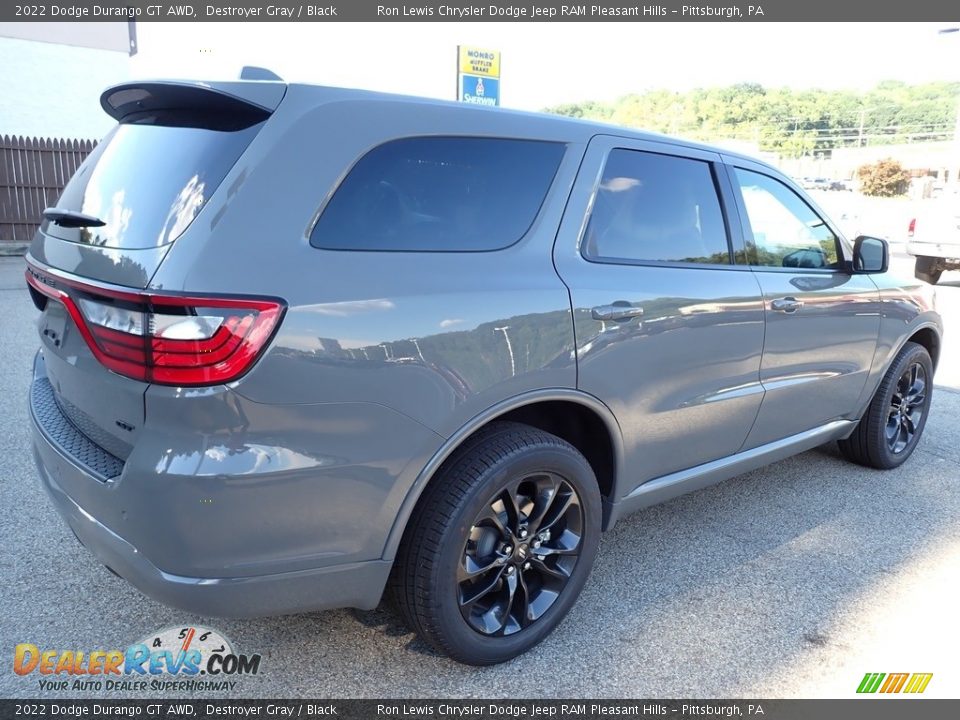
<point>572,467</point>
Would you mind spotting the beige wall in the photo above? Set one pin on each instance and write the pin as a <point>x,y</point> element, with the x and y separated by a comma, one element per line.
<point>98,35</point>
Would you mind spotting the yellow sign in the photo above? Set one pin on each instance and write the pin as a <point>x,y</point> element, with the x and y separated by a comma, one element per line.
<point>477,61</point>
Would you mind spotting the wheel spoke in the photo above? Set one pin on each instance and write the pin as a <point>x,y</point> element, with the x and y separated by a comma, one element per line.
<point>511,582</point>
<point>509,500</point>
<point>545,497</point>
<point>470,569</point>
<point>901,437</point>
<point>522,600</point>
<point>566,544</point>
<point>558,573</point>
<point>491,517</point>
<point>479,590</point>
<point>558,508</point>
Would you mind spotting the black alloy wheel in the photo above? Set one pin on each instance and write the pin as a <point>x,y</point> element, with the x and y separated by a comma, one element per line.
<point>907,408</point>
<point>520,553</point>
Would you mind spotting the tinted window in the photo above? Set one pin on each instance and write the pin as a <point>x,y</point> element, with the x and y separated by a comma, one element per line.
<point>148,182</point>
<point>786,232</point>
<point>656,208</point>
<point>439,193</point>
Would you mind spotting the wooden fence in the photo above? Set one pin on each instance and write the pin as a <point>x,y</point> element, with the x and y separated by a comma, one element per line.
<point>33,172</point>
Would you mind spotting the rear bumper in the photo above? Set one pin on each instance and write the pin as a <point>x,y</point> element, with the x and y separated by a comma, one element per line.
<point>351,585</point>
<point>227,536</point>
<point>947,250</point>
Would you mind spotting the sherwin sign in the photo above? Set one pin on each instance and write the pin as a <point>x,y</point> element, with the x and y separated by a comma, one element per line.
<point>478,75</point>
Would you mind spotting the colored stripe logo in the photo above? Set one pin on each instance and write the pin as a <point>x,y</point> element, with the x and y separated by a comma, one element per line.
<point>914,683</point>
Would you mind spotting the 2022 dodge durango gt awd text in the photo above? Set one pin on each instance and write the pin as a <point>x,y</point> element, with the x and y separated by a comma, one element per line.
<point>301,346</point>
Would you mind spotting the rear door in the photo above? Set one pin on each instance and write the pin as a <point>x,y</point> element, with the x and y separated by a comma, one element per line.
<point>669,331</point>
<point>130,200</point>
<point>822,322</point>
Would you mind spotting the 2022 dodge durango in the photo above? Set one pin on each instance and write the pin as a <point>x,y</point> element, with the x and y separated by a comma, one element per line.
<point>302,346</point>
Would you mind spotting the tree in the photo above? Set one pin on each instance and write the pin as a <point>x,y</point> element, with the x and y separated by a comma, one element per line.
<point>791,122</point>
<point>885,178</point>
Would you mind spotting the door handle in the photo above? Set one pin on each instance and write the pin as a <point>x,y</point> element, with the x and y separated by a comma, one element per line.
<point>618,311</point>
<point>786,305</point>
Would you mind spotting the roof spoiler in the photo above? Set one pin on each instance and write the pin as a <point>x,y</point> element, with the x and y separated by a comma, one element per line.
<point>244,103</point>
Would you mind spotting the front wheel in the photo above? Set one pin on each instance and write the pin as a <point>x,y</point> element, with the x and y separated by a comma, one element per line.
<point>500,546</point>
<point>891,428</point>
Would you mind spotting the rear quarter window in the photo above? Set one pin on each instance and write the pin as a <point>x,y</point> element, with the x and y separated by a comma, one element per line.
<point>453,194</point>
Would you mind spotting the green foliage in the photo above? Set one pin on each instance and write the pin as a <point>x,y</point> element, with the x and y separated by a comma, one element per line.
<point>790,122</point>
<point>885,178</point>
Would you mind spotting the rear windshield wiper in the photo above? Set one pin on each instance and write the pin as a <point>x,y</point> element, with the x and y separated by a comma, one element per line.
<point>71,218</point>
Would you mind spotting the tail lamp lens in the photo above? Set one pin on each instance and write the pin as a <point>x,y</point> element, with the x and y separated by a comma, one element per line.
<point>168,339</point>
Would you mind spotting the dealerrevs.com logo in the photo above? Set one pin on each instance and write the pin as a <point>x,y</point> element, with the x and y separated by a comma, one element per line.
<point>178,658</point>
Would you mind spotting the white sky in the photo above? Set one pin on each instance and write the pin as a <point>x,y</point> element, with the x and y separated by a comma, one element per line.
<point>549,63</point>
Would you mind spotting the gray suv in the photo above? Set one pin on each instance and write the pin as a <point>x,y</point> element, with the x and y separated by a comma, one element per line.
<point>301,346</point>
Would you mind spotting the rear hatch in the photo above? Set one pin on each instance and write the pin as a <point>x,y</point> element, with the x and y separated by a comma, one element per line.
<point>129,202</point>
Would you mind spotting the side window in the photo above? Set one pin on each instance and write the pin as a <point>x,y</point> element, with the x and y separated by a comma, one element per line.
<point>786,231</point>
<point>656,208</point>
<point>439,194</point>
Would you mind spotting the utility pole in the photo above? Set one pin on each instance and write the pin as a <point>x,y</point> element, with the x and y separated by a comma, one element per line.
<point>863,115</point>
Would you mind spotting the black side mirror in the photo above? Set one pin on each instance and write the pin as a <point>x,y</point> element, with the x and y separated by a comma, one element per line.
<point>870,255</point>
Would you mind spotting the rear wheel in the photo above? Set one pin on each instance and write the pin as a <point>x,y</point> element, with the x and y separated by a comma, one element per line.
<point>928,269</point>
<point>894,421</point>
<point>500,546</point>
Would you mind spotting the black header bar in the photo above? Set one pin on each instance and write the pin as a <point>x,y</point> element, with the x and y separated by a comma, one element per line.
<point>574,709</point>
<point>479,11</point>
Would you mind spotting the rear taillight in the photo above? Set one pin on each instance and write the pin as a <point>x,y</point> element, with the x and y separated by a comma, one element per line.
<point>911,227</point>
<point>163,338</point>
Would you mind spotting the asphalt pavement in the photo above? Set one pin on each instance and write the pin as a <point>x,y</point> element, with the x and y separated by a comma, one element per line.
<point>790,581</point>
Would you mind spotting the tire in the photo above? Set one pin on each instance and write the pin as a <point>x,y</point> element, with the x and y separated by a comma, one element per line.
<point>893,424</point>
<point>928,270</point>
<point>464,521</point>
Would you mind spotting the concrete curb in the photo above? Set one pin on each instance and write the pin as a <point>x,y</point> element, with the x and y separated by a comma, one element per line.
<point>10,249</point>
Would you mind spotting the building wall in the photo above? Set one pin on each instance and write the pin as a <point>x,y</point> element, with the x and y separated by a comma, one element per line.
<point>53,90</point>
<point>941,159</point>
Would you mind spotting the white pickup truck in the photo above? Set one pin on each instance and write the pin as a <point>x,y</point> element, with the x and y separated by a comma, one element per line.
<point>934,239</point>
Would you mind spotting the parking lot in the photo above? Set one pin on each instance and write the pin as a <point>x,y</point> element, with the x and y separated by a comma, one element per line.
<point>790,581</point>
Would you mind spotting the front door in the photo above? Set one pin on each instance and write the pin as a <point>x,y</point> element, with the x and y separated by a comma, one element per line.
<point>822,321</point>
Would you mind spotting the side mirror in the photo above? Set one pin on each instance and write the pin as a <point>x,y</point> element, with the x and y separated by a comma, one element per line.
<point>870,255</point>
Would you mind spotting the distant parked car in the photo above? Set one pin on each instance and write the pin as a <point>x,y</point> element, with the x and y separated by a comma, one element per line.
<point>934,239</point>
<point>842,185</point>
<point>819,183</point>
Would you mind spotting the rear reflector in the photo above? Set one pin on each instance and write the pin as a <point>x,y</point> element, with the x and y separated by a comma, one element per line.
<point>912,227</point>
<point>164,338</point>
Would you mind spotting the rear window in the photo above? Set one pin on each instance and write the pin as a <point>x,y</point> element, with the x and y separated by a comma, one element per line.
<point>147,182</point>
<point>439,194</point>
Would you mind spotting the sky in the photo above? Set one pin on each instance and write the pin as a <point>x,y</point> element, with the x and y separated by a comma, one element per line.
<point>544,64</point>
